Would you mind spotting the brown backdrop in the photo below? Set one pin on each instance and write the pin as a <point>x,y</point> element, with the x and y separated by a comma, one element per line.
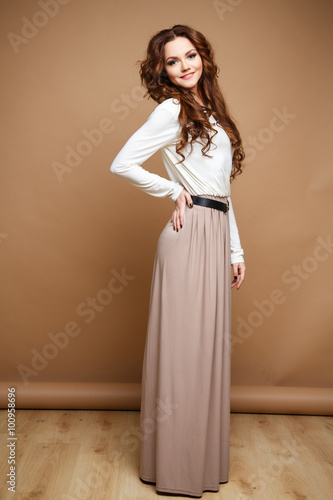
<point>77,243</point>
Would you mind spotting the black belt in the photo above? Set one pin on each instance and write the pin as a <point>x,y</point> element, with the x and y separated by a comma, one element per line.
<point>208,202</point>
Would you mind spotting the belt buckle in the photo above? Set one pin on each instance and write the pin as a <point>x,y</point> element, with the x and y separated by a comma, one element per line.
<point>227,205</point>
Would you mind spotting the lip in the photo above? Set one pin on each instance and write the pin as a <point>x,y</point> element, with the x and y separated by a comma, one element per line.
<point>188,76</point>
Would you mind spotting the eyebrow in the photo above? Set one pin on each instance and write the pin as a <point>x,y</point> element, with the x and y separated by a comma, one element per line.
<point>177,57</point>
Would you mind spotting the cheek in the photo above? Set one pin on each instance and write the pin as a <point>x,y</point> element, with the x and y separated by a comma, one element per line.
<point>171,72</point>
<point>199,65</point>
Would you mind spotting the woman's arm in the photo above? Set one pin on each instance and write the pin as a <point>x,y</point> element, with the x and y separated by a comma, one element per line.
<point>160,129</point>
<point>237,253</point>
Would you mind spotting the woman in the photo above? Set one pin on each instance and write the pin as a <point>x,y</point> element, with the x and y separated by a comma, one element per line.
<point>185,400</point>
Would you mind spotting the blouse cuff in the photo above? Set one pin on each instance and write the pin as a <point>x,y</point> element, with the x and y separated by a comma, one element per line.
<point>176,192</point>
<point>235,258</point>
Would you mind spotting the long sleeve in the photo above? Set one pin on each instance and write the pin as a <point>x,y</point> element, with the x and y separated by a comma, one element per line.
<point>159,130</point>
<point>237,253</point>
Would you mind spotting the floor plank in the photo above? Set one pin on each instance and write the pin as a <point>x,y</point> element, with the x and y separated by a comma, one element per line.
<point>94,455</point>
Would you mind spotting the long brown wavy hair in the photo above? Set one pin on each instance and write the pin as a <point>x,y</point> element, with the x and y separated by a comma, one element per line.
<point>192,118</point>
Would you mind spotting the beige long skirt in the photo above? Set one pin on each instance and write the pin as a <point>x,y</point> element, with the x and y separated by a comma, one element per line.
<point>185,398</point>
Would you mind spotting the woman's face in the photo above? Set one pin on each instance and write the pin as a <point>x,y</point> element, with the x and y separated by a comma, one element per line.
<point>182,63</point>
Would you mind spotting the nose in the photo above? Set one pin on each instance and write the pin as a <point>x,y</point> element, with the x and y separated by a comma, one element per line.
<point>184,65</point>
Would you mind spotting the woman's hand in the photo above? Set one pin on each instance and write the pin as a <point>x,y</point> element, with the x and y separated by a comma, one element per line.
<point>177,218</point>
<point>239,274</point>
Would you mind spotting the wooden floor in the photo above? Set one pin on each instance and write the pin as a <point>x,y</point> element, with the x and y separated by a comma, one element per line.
<point>76,455</point>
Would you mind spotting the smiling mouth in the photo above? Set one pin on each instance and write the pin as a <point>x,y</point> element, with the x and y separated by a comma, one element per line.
<point>185,77</point>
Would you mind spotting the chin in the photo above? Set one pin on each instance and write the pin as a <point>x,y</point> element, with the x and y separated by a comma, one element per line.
<point>188,83</point>
<point>188,87</point>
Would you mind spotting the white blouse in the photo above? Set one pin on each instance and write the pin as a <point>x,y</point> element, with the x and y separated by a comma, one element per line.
<point>198,174</point>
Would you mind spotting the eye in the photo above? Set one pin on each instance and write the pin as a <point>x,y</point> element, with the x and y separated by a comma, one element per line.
<point>191,56</point>
<point>171,63</point>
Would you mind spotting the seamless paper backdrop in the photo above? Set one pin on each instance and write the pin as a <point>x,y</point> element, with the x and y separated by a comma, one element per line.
<point>77,244</point>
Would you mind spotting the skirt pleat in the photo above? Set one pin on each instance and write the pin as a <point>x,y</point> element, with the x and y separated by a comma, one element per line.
<point>185,395</point>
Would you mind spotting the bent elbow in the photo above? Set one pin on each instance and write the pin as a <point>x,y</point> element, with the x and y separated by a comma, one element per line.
<point>114,168</point>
